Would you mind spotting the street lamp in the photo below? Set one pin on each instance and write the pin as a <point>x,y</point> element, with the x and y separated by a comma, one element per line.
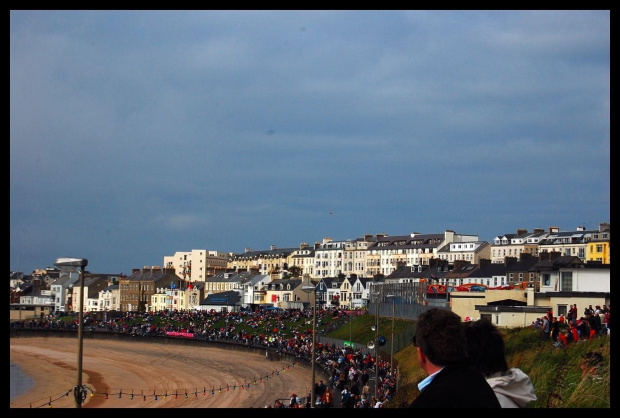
<point>70,265</point>
<point>375,328</point>
<point>392,340</point>
<point>312,289</point>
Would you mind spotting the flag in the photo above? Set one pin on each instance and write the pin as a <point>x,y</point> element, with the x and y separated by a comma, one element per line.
<point>189,287</point>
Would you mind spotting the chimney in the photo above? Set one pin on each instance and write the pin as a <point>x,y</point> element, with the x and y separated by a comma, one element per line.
<point>459,263</point>
<point>272,247</point>
<point>543,256</point>
<point>379,236</point>
<point>539,230</point>
<point>603,226</point>
<point>304,245</point>
<point>317,245</point>
<point>367,237</point>
<point>554,229</point>
<point>146,269</point>
<point>484,262</point>
<point>134,271</point>
<point>525,256</point>
<point>521,231</point>
<point>156,268</point>
<point>581,228</point>
<point>554,254</point>
<point>509,260</point>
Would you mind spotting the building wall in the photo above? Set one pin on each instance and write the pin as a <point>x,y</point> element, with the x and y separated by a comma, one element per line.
<point>584,280</point>
<point>598,251</point>
<point>197,265</point>
<point>463,303</point>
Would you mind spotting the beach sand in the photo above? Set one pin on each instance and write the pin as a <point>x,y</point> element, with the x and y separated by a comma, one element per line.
<point>141,367</point>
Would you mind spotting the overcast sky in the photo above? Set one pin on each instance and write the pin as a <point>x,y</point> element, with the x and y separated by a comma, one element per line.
<point>136,134</point>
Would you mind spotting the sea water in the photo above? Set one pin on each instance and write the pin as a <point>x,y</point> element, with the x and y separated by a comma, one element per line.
<point>20,382</point>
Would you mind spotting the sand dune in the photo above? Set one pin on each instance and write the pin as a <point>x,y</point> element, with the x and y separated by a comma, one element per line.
<point>146,368</point>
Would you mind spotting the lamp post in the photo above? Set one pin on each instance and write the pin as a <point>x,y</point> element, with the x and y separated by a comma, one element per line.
<point>375,328</point>
<point>71,264</point>
<point>392,339</point>
<point>309,289</point>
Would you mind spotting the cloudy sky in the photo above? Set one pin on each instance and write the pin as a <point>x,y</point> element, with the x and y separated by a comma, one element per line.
<point>136,134</point>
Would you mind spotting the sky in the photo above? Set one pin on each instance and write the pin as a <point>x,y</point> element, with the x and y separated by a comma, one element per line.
<point>137,134</point>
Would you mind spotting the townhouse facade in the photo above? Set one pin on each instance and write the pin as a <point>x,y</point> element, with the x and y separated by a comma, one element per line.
<point>567,243</point>
<point>197,265</point>
<point>328,258</point>
<point>388,252</point>
<point>598,249</point>
<point>354,258</point>
<point>110,298</point>
<point>136,289</point>
<point>471,252</point>
<point>273,261</point>
<point>303,258</point>
<point>513,245</point>
<point>59,289</point>
<point>93,284</point>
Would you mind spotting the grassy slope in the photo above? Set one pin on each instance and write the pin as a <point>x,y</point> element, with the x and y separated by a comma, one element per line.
<point>555,373</point>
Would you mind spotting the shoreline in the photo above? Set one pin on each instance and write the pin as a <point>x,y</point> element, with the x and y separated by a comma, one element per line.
<point>146,369</point>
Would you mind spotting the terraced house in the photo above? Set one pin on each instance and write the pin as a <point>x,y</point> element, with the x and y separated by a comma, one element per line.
<point>136,289</point>
<point>197,265</point>
<point>598,247</point>
<point>388,252</point>
<point>569,243</point>
<point>513,245</point>
<point>273,261</point>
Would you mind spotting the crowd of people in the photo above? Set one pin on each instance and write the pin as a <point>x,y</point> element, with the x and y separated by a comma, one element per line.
<point>280,330</point>
<point>464,361</point>
<point>563,330</point>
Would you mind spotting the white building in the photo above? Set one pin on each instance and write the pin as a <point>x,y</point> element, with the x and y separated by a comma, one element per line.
<point>196,265</point>
<point>59,288</point>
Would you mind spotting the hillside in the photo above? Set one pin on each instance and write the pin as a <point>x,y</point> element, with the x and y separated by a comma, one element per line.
<point>555,372</point>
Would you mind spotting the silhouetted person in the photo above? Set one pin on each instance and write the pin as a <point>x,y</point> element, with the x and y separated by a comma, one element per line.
<point>441,350</point>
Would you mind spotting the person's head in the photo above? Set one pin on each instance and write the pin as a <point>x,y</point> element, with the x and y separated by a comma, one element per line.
<point>440,336</point>
<point>485,347</point>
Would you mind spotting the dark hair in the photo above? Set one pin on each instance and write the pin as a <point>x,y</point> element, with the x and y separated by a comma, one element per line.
<point>441,336</point>
<point>485,347</point>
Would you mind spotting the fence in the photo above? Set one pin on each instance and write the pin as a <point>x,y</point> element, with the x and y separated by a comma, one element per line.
<point>406,301</point>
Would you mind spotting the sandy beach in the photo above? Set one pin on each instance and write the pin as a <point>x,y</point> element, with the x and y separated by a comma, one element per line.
<point>146,368</point>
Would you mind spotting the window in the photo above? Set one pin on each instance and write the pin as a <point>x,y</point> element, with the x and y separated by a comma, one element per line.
<point>566,281</point>
<point>546,279</point>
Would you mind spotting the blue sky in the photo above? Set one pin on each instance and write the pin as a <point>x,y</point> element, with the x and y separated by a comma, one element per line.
<point>136,134</point>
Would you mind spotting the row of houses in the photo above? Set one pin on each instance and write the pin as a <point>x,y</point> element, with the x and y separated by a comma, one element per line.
<point>381,254</point>
<point>517,290</point>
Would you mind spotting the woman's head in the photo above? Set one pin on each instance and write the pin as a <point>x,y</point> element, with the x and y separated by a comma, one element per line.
<point>485,347</point>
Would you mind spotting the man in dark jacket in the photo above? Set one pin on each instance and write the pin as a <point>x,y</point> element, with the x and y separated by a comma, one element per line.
<point>441,349</point>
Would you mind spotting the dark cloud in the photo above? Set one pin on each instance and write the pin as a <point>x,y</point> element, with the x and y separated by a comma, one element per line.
<point>136,134</point>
